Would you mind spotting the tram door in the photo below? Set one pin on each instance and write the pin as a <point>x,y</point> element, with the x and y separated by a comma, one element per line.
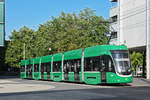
<point>48,70</point>
<point>30,71</point>
<point>106,66</point>
<point>103,77</point>
<point>103,69</point>
<point>77,69</point>
<point>73,66</point>
<point>66,69</point>
<point>42,70</point>
<point>67,76</point>
<point>27,71</point>
<point>45,68</point>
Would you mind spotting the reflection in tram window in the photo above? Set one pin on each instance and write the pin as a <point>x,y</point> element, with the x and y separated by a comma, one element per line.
<point>99,63</point>
<point>57,66</point>
<point>72,65</point>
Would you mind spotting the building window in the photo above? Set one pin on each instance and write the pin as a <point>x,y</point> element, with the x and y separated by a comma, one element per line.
<point>114,19</point>
<point>113,35</point>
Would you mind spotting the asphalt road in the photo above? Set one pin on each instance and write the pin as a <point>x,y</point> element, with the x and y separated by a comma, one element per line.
<point>47,90</point>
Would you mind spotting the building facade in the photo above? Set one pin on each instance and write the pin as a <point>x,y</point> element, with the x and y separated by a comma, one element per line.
<point>2,22</point>
<point>131,24</point>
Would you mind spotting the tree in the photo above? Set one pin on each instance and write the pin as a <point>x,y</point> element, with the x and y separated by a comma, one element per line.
<point>63,33</point>
<point>14,53</point>
<point>78,31</point>
<point>136,59</point>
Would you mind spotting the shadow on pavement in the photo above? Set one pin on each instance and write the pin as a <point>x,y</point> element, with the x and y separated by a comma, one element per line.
<point>8,77</point>
<point>113,91</point>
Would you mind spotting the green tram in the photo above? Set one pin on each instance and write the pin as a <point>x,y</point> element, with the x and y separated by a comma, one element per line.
<point>93,65</point>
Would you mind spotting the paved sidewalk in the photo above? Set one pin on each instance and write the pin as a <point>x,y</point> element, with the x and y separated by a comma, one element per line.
<point>10,86</point>
<point>14,85</point>
<point>140,82</point>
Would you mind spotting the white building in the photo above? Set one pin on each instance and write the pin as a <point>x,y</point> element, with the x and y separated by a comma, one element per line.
<point>131,21</point>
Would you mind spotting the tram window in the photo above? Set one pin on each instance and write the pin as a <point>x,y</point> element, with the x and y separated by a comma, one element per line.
<point>22,69</point>
<point>48,67</point>
<point>110,67</point>
<point>29,68</point>
<point>106,63</point>
<point>45,67</point>
<point>36,67</point>
<point>100,63</point>
<point>72,65</point>
<point>57,66</point>
<point>78,65</point>
<point>66,66</point>
<point>92,64</point>
<point>103,63</point>
<point>120,53</point>
<point>42,67</point>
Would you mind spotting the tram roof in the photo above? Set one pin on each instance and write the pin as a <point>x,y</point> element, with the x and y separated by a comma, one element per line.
<point>102,50</point>
<point>23,62</point>
<point>57,57</point>
<point>46,59</point>
<point>74,54</point>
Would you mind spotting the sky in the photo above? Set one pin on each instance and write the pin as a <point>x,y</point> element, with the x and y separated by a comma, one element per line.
<point>31,13</point>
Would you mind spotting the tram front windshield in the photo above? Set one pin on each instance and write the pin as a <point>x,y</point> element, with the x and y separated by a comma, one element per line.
<point>122,61</point>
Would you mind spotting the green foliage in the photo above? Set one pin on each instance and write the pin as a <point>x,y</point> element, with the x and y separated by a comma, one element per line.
<point>136,59</point>
<point>64,33</point>
<point>14,52</point>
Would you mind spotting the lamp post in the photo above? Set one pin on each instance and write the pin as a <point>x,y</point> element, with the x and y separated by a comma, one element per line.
<point>51,74</point>
<point>24,51</point>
